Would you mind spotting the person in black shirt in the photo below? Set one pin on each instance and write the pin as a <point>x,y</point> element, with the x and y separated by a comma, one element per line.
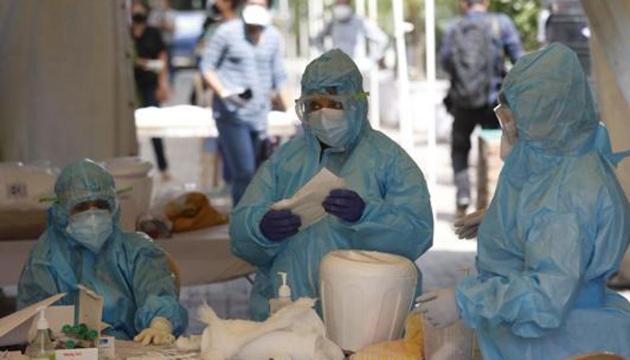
<point>150,70</point>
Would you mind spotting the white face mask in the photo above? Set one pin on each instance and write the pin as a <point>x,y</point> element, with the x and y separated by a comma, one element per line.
<point>329,126</point>
<point>342,12</point>
<point>91,228</point>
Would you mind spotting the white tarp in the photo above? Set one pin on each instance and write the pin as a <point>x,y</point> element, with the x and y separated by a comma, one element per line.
<point>66,80</point>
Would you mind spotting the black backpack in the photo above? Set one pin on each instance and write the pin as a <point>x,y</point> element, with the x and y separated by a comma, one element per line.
<point>473,61</point>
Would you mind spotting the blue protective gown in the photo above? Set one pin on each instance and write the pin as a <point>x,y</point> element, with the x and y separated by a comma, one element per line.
<point>397,217</point>
<point>557,228</point>
<point>130,271</point>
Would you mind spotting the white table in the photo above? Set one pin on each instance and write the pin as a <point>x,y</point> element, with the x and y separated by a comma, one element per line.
<point>194,121</point>
<point>203,256</point>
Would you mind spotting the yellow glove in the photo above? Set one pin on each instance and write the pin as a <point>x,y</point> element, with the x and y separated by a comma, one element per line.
<point>160,332</point>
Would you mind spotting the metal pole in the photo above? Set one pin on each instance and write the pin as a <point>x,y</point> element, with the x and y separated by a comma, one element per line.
<point>375,104</point>
<point>315,23</point>
<point>406,126</point>
<point>360,7</point>
<point>429,22</point>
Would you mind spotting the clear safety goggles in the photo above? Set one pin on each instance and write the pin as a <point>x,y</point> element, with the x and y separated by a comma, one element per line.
<point>92,204</point>
<point>311,103</point>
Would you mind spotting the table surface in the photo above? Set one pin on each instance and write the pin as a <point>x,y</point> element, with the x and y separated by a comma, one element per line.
<point>203,256</point>
<point>131,350</point>
<point>194,121</point>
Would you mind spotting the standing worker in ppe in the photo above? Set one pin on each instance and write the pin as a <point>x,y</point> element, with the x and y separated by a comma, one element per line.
<point>84,245</point>
<point>385,208</point>
<point>556,230</point>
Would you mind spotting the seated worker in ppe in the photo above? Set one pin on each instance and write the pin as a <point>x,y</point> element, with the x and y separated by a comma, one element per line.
<point>556,230</point>
<point>385,207</point>
<point>85,245</point>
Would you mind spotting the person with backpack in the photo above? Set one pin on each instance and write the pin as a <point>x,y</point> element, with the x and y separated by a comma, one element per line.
<point>473,54</point>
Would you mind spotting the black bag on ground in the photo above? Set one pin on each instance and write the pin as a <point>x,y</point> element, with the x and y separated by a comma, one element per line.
<point>473,60</point>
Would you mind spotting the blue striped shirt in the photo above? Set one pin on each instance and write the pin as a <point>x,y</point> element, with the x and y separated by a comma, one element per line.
<point>239,64</point>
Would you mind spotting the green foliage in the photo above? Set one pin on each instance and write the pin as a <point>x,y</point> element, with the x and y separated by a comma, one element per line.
<point>524,13</point>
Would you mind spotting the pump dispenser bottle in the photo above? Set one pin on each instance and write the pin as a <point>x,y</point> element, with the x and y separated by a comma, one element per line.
<point>284,296</point>
<point>42,347</point>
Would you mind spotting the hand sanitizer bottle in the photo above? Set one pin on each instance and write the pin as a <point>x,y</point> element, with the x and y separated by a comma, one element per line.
<point>42,348</point>
<point>284,296</point>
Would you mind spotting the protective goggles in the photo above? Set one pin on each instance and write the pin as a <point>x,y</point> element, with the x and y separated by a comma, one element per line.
<point>93,204</point>
<point>311,103</point>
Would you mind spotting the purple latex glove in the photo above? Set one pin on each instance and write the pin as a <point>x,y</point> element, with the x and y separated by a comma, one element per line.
<point>278,225</point>
<point>345,204</point>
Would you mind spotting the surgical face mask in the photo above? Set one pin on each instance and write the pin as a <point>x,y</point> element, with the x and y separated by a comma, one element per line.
<point>91,228</point>
<point>329,126</point>
<point>509,133</point>
<point>342,12</point>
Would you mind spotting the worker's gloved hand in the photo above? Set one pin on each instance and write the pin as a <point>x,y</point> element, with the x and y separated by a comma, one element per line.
<point>439,307</point>
<point>467,226</point>
<point>238,97</point>
<point>345,204</point>
<point>160,332</point>
<point>278,225</point>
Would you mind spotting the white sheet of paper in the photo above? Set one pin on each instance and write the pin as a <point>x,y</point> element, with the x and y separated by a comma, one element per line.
<point>90,308</point>
<point>307,202</point>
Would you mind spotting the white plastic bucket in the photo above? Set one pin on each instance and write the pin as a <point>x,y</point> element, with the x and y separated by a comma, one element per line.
<point>133,173</point>
<point>366,296</point>
<point>22,186</point>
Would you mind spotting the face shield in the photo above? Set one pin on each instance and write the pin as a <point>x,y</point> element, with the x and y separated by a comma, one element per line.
<point>326,117</point>
<point>509,133</point>
<point>309,104</point>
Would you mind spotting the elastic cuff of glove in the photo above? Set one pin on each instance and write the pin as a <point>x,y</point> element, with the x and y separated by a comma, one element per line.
<point>161,323</point>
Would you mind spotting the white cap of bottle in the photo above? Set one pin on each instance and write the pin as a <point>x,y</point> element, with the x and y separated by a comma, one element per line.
<point>42,323</point>
<point>285,290</point>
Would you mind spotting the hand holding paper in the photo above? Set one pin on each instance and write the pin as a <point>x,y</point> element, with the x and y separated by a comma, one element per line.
<point>345,204</point>
<point>278,225</point>
<point>307,202</point>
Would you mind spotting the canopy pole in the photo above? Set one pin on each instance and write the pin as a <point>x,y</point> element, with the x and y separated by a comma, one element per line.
<point>405,124</point>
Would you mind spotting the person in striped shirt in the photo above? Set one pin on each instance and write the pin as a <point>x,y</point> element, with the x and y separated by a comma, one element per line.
<point>243,65</point>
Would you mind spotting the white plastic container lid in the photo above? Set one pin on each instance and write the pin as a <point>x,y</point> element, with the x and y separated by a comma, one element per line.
<point>128,166</point>
<point>362,263</point>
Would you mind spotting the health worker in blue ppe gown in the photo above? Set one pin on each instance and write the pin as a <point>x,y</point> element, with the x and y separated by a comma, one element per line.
<point>556,230</point>
<point>85,245</point>
<point>385,206</point>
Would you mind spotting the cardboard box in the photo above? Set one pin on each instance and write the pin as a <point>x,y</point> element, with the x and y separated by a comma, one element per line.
<point>90,310</point>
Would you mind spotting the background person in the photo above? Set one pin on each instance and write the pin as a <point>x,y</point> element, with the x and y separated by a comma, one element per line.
<point>473,54</point>
<point>150,71</point>
<point>244,68</point>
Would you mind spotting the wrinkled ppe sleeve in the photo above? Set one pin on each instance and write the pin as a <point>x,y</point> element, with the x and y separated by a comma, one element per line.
<point>155,291</point>
<point>248,242</point>
<point>400,222</point>
<point>536,299</point>
<point>36,284</point>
